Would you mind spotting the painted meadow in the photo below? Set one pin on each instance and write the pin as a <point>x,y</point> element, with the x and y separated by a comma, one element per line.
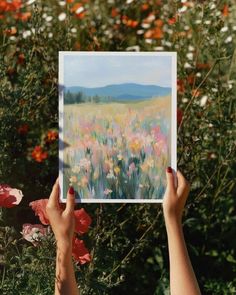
<point>118,150</point>
<point>121,248</point>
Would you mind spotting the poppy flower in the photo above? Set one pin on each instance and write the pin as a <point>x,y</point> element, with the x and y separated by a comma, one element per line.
<point>82,221</point>
<point>33,232</point>
<point>39,207</point>
<point>9,197</point>
<point>80,252</point>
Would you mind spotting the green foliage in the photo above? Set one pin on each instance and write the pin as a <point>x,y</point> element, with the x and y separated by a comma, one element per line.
<point>127,241</point>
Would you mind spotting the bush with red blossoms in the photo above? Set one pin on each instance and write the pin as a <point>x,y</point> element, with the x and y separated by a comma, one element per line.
<point>127,242</point>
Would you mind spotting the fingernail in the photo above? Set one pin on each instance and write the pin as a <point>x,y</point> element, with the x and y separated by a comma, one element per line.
<point>71,190</point>
<point>169,169</point>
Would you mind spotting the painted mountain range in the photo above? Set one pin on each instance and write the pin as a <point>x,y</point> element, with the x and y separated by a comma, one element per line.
<point>125,91</point>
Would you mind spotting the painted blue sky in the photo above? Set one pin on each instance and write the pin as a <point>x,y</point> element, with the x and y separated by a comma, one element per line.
<point>98,71</point>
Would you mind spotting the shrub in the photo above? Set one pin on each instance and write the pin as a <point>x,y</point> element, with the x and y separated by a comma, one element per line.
<point>127,241</point>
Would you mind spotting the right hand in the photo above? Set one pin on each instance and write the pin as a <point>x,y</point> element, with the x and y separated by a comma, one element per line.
<point>175,198</point>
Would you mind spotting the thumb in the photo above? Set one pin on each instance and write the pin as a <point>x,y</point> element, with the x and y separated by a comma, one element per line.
<point>170,180</point>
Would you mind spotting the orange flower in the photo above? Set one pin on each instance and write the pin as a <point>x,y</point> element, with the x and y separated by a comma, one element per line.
<point>196,92</point>
<point>24,16</point>
<point>225,10</point>
<point>144,6</point>
<point>171,20</point>
<point>114,12</point>
<point>77,45</point>
<point>6,6</point>
<point>11,31</point>
<point>38,154</point>
<point>155,33</point>
<point>51,136</point>
<point>132,23</point>
<point>69,1</point>
<point>78,9</point>
<point>159,23</point>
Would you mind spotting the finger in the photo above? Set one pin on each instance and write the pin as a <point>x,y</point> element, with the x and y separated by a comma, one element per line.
<point>170,180</point>
<point>70,202</point>
<point>183,185</point>
<point>54,196</point>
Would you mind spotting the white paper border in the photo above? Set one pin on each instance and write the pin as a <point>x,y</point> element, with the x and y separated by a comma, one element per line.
<point>173,55</point>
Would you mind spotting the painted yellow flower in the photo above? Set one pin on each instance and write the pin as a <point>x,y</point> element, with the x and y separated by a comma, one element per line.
<point>73,179</point>
<point>117,170</point>
<point>135,146</point>
<point>150,163</point>
<point>96,174</point>
<point>144,167</point>
<point>84,181</point>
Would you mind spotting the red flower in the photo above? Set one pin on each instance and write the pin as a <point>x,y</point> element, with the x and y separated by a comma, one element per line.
<point>23,129</point>
<point>180,86</point>
<point>114,12</point>
<point>11,31</point>
<point>21,59</point>
<point>144,7</point>
<point>38,154</point>
<point>10,6</point>
<point>39,207</point>
<point>51,136</point>
<point>172,20</point>
<point>80,252</point>
<point>24,16</point>
<point>179,116</point>
<point>9,197</point>
<point>82,221</point>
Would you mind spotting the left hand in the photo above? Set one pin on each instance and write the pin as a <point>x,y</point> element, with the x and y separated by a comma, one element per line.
<point>62,221</point>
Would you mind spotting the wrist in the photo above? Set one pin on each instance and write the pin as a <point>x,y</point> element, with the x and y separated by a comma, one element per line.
<point>173,223</point>
<point>64,246</point>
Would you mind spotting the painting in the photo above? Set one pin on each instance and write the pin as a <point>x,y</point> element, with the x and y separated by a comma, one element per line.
<point>117,122</point>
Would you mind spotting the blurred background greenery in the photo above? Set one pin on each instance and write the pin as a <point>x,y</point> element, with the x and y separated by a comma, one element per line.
<point>127,241</point>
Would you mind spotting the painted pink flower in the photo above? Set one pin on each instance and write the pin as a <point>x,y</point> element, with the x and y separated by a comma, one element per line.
<point>107,191</point>
<point>9,197</point>
<point>82,221</point>
<point>160,147</point>
<point>80,252</point>
<point>132,168</point>
<point>39,207</point>
<point>33,232</point>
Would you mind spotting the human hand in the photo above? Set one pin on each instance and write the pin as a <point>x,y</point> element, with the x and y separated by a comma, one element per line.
<point>62,221</point>
<point>175,198</point>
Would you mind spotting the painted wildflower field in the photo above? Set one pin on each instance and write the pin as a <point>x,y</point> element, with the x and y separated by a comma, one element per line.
<point>118,150</point>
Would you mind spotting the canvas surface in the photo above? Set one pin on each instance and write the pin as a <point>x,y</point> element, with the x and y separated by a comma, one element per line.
<point>117,125</point>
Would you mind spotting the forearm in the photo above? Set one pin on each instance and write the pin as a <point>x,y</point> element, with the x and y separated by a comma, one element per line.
<point>65,282</point>
<point>182,277</point>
